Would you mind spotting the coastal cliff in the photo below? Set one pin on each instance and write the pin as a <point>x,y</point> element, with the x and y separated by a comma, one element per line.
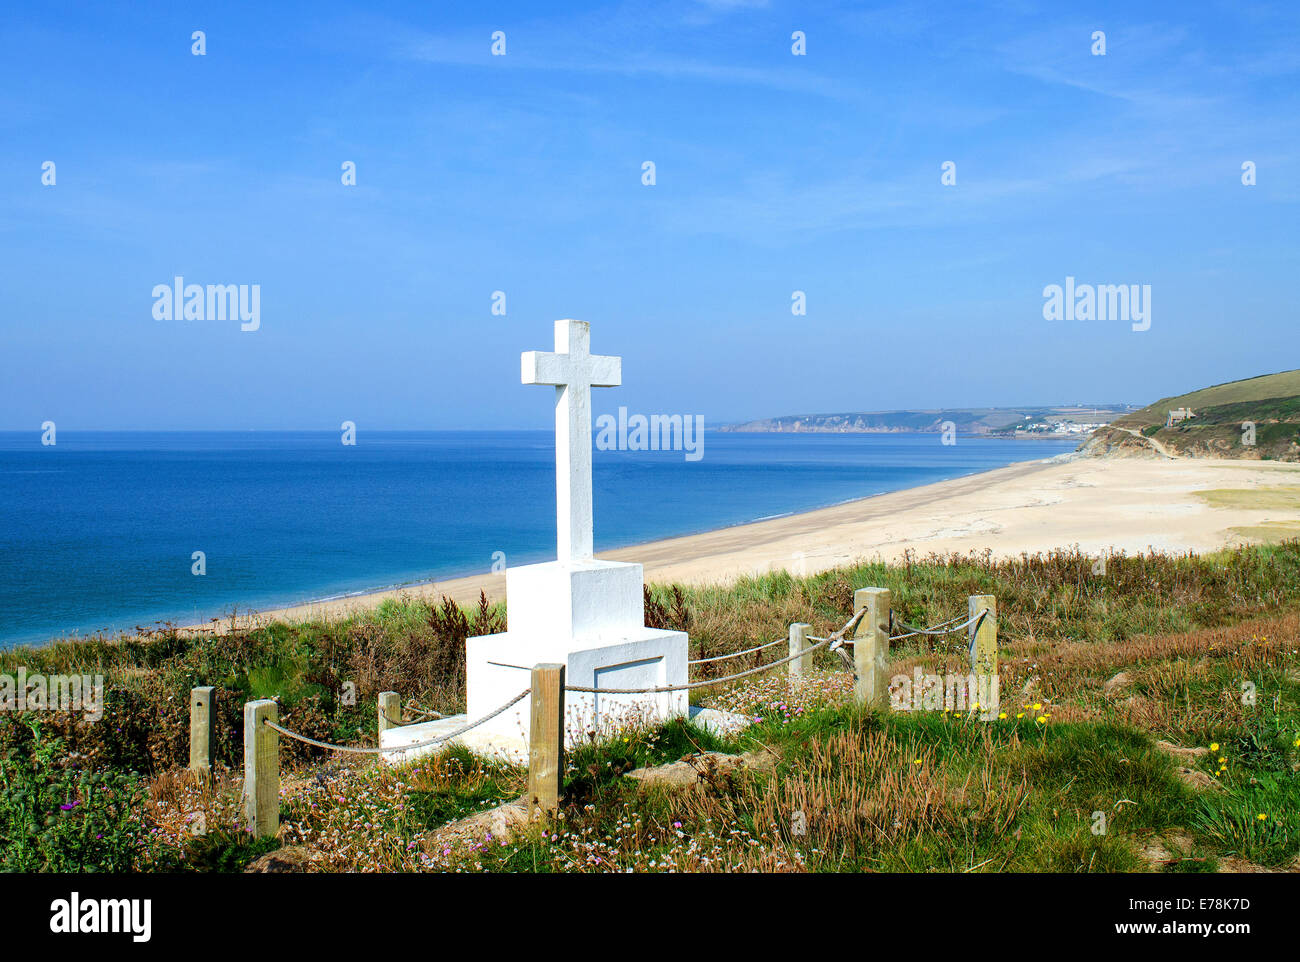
<point>1253,419</point>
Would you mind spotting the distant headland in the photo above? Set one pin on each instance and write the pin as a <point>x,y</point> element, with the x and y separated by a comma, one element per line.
<point>1051,421</point>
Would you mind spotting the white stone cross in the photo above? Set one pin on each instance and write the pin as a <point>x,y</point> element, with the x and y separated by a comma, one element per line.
<point>574,371</point>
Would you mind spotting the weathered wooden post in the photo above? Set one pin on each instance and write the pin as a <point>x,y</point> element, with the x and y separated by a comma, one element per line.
<point>798,643</point>
<point>871,648</point>
<point>261,768</point>
<point>203,729</point>
<point>389,711</point>
<point>546,739</point>
<point>984,647</point>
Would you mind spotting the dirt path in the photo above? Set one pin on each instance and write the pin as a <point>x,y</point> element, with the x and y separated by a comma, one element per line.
<point>1159,446</point>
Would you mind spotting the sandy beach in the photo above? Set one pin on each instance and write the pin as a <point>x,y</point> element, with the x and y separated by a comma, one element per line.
<point>1101,505</point>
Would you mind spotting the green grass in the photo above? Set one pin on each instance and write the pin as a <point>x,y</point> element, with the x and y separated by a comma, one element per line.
<point>1071,772</point>
<point>433,807</point>
<point>1267,387</point>
<point>1270,532</point>
<point>1272,498</point>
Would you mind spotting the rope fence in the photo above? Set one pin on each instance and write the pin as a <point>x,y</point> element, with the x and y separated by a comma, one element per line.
<point>736,654</point>
<point>375,750</point>
<point>688,686</point>
<point>941,629</point>
<point>414,709</point>
<point>695,684</point>
<point>868,633</point>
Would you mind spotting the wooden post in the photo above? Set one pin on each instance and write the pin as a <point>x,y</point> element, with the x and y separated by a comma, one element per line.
<point>261,768</point>
<point>798,642</point>
<point>871,648</point>
<point>984,650</point>
<point>389,711</point>
<point>546,739</point>
<point>203,729</point>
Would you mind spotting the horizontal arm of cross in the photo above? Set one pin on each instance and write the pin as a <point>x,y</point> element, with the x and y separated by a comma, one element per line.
<point>545,367</point>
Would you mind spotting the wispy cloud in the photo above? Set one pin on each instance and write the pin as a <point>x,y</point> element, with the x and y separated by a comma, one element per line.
<point>621,41</point>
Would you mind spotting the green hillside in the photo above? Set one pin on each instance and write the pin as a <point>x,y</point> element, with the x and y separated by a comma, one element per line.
<point>1220,425</point>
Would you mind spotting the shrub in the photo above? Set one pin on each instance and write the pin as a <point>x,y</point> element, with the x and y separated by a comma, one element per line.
<point>56,817</point>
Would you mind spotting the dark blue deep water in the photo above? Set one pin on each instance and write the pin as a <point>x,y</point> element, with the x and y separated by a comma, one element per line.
<point>97,532</point>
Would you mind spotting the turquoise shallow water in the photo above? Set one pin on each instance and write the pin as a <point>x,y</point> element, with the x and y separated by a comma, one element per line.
<point>98,531</point>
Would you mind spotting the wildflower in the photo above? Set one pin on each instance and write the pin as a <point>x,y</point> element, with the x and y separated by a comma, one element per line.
<point>1042,719</point>
<point>1003,715</point>
<point>1214,746</point>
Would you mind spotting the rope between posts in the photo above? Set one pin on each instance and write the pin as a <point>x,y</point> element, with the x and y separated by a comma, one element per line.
<point>411,710</point>
<point>737,654</point>
<point>696,684</point>
<point>909,630</point>
<point>942,628</point>
<point>417,710</point>
<point>366,750</point>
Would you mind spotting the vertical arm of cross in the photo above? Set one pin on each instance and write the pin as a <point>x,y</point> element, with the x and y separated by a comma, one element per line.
<point>574,371</point>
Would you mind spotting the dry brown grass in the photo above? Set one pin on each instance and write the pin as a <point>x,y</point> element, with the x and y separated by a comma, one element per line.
<point>861,790</point>
<point>723,622</point>
<point>1167,675</point>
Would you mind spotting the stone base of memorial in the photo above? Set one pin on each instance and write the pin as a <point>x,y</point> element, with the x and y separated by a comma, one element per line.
<point>587,616</point>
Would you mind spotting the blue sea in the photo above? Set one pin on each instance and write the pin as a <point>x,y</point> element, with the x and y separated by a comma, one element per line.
<point>98,531</point>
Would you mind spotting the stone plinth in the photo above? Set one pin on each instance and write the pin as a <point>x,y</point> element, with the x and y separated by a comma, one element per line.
<point>588,616</point>
<point>563,605</point>
<point>498,668</point>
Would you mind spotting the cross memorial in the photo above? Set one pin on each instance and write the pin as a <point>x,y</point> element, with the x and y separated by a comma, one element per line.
<point>574,371</point>
<point>578,611</point>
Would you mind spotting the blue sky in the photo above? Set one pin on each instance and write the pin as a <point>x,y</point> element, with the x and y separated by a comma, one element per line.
<point>522,173</point>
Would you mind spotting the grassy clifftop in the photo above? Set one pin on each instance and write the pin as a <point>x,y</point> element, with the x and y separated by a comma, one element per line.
<point>1124,741</point>
<point>1255,418</point>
